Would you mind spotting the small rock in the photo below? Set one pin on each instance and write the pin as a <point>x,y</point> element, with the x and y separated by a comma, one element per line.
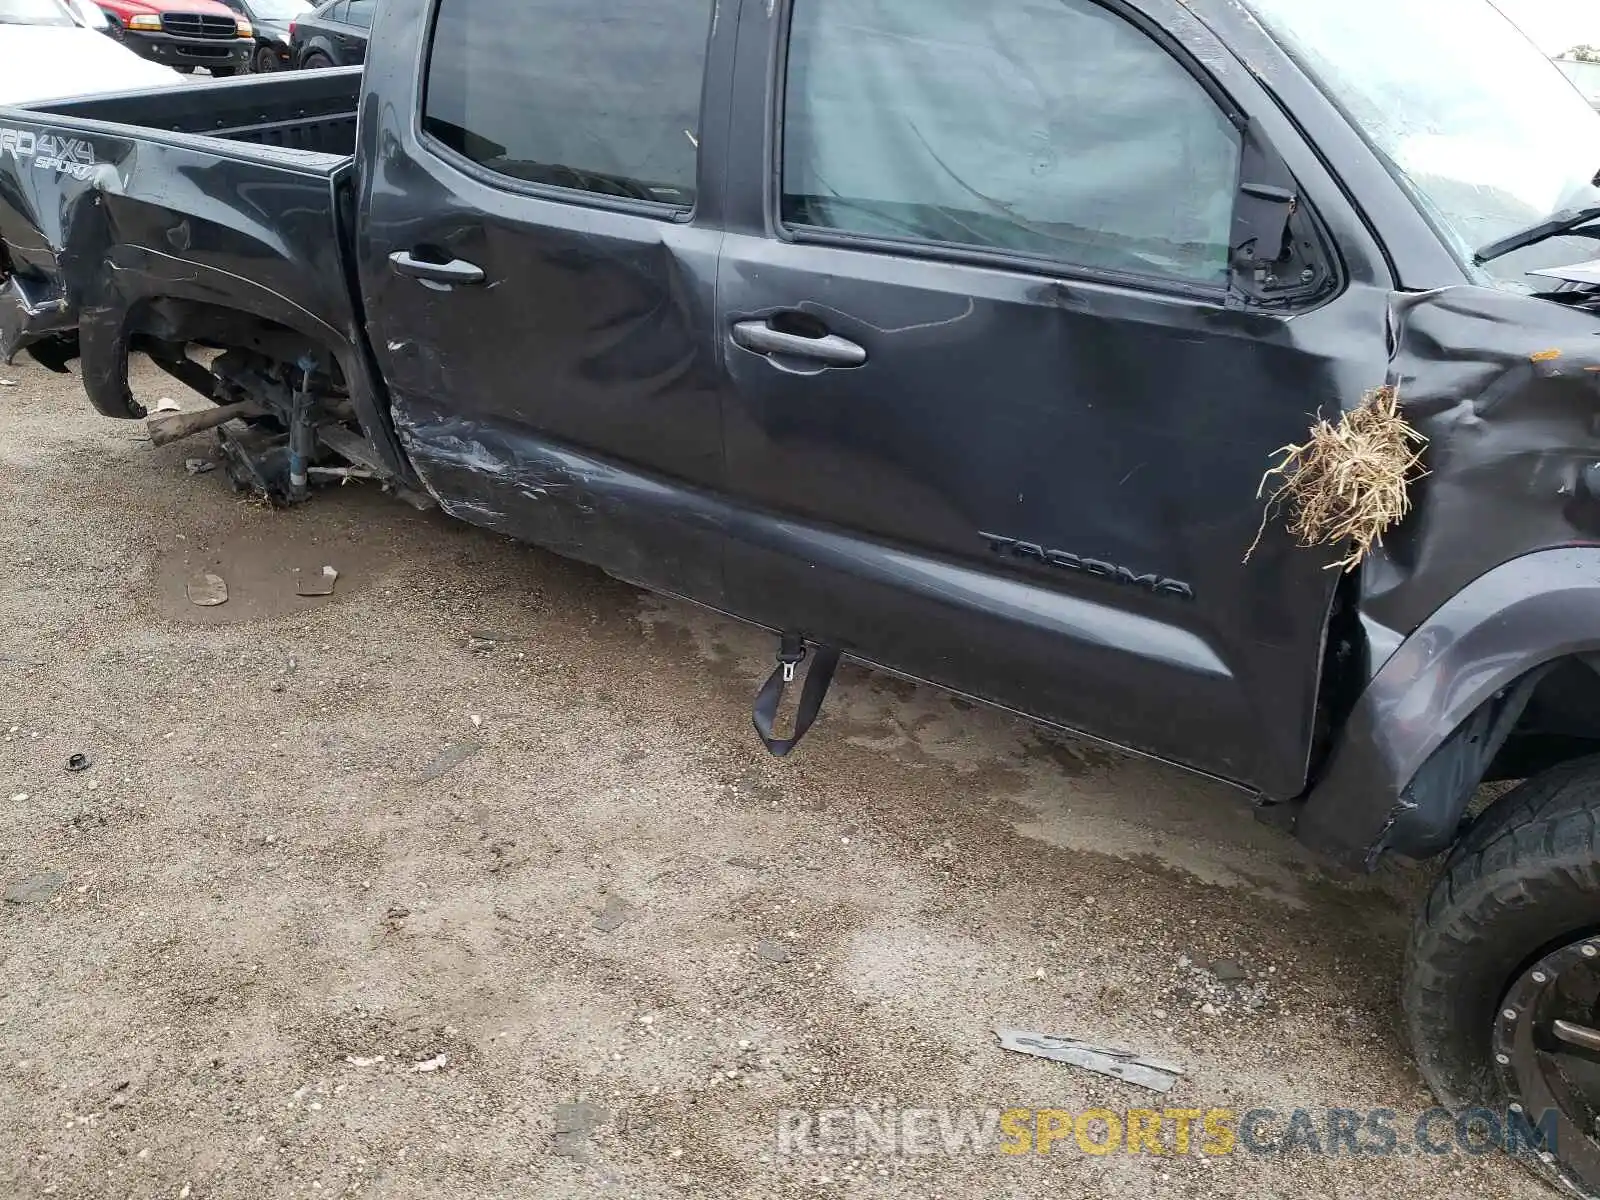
<point>1209,1009</point>
<point>277,685</point>
<point>167,404</point>
<point>315,583</point>
<point>207,590</point>
<point>198,466</point>
<point>79,762</point>
<point>437,1062</point>
<point>37,889</point>
<point>612,917</point>
<point>20,798</point>
<point>773,952</point>
<point>574,1123</point>
<point>449,759</point>
<point>1227,971</point>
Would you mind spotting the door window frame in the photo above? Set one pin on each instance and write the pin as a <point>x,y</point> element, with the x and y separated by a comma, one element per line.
<point>1219,294</point>
<point>658,210</point>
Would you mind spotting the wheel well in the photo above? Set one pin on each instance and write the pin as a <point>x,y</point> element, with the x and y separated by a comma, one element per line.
<point>1560,722</point>
<point>1549,716</point>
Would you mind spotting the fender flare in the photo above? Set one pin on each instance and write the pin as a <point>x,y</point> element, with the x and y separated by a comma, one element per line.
<point>1525,614</point>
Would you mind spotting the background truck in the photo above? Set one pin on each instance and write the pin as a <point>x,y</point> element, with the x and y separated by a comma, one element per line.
<point>956,339</point>
<point>183,34</point>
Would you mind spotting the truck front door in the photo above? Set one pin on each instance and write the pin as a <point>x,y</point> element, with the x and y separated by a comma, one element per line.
<point>537,240</point>
<point>1001,396</point>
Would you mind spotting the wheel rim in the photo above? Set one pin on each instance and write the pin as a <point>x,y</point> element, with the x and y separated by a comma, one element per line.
<point>266,61</point>
<point>1546,1049</point>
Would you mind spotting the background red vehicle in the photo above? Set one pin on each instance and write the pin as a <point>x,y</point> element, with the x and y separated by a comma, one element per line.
<point>183,34</point>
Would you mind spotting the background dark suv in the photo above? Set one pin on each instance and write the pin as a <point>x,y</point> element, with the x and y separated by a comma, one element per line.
<point>272,20</point>
<point>335,35</point>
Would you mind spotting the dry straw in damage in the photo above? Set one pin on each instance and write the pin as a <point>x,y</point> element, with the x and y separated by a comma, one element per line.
<point>1348,483</point>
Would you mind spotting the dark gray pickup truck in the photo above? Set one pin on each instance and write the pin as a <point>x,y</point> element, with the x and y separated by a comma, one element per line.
<point>956,339</point>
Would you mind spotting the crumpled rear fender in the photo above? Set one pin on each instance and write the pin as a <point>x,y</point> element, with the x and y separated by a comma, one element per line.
<point>1523,615</point>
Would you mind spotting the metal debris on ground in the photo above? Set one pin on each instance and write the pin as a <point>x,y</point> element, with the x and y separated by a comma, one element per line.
<point>437,1062</point>
<point>1126,1065</point>
<point>198,466</point>
<point>449,759</point>
<point>79,762</point>
<point>356,1060</point>
<point>315,583</point>
<point>207,590</point>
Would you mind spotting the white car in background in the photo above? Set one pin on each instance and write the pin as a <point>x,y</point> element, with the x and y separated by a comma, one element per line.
<point>55,49</point>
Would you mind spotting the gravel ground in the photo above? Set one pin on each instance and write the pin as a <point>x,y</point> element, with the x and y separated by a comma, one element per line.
<point>267,945</point>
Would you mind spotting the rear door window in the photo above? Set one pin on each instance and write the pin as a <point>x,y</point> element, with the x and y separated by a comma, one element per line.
<point>1050,128</point>
<point>551,92</point>
<point>359,14</point>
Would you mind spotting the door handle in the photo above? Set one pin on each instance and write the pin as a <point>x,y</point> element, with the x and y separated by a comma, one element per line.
<point>831,350</point>
<point>457,270</point>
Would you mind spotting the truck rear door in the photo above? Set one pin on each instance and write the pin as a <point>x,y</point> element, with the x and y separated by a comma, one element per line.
<point>538,238</point>
<point>1000,394</point>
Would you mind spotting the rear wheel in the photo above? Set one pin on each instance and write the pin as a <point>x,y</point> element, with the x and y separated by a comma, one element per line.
<point>316,61</point>
<point>267,61</point>
<point>1502,986</point>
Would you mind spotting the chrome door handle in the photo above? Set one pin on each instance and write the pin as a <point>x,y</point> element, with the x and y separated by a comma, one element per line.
<point>457,270</point>
<point>832,350</point>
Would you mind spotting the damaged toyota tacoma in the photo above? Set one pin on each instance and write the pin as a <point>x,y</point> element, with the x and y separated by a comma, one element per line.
<point>956,339</point>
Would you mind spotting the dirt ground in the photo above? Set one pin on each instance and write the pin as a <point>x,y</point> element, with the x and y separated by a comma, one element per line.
<point>472,880</point>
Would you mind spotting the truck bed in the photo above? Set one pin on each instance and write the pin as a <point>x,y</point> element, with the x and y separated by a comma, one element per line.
<point>294,110</point>
<point>209,215</point>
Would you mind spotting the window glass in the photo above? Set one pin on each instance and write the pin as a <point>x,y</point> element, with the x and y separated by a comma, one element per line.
<point>557,92</point>
<point>359,13</point>
<point>1484,131</point>
<point>1049,127</point>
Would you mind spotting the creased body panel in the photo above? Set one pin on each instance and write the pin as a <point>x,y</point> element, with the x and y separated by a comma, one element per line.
<point>1495,573</point>
<point>131,219</point>
<point>1507,390</point>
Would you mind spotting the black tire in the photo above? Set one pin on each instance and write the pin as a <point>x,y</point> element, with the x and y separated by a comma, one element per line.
<point>316,61</point>
<point>1523,881</point>
<point>183,69</point>
<point>266,61</point>
<point>224,72</point>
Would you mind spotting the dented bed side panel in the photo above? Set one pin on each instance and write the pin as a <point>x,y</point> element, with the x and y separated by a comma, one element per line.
<point>115,220</point>
<point>100,222</point>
